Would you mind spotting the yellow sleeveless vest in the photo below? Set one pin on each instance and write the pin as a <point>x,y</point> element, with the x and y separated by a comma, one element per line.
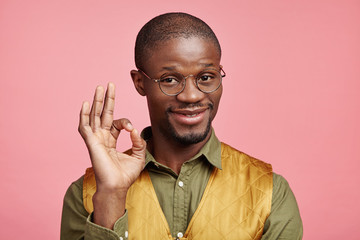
<point>235,204</point>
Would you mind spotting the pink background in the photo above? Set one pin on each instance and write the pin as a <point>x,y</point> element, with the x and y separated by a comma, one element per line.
<point>291,98</point>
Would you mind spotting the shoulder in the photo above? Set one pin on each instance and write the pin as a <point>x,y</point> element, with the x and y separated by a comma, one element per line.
<point>230,155</point>
<point>280,183</point>
<point>73,199</point>
<point>284,221</point>
<point>283,196</point>
<point>77,185</point>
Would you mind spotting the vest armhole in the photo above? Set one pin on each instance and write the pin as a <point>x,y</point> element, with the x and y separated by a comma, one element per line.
<point>89,184</point>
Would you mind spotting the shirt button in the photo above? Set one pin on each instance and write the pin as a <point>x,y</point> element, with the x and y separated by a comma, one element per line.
<point>126,234</point>
<point>180,234</point>
<point>181,183</point>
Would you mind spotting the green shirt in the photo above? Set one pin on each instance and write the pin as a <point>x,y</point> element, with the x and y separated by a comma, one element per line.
<point>179,196</point>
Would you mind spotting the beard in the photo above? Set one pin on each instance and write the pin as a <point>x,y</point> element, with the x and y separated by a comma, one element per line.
<point>192,137</point>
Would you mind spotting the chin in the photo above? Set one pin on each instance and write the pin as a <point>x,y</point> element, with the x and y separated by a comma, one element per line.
<point>190,137</point>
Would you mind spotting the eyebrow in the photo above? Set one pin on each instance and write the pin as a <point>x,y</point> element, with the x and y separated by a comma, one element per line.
<point>207,64</point>
<point>174,67</point>
<point>169,68</point>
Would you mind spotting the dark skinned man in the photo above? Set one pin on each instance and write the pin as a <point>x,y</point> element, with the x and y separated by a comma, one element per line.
<point>178,181</point>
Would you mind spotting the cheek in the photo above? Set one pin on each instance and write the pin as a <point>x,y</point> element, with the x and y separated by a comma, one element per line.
<point>153,95</point>
<point>153,106</point>
<point>216,101</point>
<point>217,94</point>
<point>157,106</point>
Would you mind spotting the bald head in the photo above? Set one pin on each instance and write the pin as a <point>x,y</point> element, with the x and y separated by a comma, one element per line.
<point>170,26</point>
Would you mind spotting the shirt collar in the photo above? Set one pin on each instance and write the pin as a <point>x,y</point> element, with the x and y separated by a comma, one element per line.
<point>211,150</point>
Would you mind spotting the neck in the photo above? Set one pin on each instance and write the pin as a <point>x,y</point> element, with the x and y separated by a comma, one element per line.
<point>171,153</point>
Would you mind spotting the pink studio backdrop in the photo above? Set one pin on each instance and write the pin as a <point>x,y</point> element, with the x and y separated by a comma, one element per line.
<point>291,98</point>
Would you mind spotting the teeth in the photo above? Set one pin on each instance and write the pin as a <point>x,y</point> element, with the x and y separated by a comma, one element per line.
<point>193,115</point>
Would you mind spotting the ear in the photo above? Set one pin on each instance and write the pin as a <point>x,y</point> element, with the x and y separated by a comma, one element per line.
<point>138,81</point>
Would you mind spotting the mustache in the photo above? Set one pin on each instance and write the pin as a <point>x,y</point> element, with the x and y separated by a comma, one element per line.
<point>190,105</point>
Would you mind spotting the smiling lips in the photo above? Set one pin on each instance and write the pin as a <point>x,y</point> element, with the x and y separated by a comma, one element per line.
<point>189,116</point>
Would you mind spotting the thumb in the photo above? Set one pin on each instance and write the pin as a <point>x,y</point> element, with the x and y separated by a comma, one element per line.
<point>138,145</point>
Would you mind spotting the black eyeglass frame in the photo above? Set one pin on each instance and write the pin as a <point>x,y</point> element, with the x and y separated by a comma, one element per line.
<point>184,80</point>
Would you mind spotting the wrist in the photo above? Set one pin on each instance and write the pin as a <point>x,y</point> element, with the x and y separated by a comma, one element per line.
<point>108,208</point>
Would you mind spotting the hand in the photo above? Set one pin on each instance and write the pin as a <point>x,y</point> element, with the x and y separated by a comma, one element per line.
<point>114,171</point>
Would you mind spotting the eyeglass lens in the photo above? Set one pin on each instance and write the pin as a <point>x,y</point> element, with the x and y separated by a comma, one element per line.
<point>173,83</point>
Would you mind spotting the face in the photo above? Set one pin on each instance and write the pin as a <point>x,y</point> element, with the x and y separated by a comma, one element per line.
<point>185,118</point>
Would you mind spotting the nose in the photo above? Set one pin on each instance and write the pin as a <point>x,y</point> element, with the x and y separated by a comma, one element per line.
<point>191,93</point>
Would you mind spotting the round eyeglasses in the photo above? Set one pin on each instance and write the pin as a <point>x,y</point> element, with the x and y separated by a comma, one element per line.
<point>173,83</point>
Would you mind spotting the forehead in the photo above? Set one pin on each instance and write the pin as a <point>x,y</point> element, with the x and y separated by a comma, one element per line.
<point>193,50</point>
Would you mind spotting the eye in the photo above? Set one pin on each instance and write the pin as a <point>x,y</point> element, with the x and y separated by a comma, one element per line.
<point>205,78</point>
<point>169,80</point>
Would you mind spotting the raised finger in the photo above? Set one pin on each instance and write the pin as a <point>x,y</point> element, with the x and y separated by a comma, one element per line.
<point>107,114</point>
<point>97,108</point>
<point>84,117</point>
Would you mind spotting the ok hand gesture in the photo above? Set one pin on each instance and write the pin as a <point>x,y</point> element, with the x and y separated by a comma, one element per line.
<point>114,171</point>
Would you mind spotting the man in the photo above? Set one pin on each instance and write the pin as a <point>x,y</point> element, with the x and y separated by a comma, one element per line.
<point>178,181</point>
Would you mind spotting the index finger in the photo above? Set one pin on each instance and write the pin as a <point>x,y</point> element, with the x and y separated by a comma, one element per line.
<point>107,114</point>
<point>116,128</point>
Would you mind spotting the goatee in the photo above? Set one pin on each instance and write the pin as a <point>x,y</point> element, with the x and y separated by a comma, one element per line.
<point>192,137</point>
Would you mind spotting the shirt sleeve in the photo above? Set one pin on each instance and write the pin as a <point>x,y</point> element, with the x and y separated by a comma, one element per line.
<point>284,221</point>
<point>76,222</point>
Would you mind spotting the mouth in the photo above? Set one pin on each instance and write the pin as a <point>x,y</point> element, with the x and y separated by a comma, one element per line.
<point>192,115</point>
<point>189,116</point>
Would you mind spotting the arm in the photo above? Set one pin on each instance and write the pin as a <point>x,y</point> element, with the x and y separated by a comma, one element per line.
<point>114,171</point>
<point>74,215</point>
<point>284,221</point>
<point>76,222</point>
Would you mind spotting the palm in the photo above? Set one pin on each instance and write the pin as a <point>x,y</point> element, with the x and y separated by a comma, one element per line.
<point>128,166</point>
<point>112,169</point>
